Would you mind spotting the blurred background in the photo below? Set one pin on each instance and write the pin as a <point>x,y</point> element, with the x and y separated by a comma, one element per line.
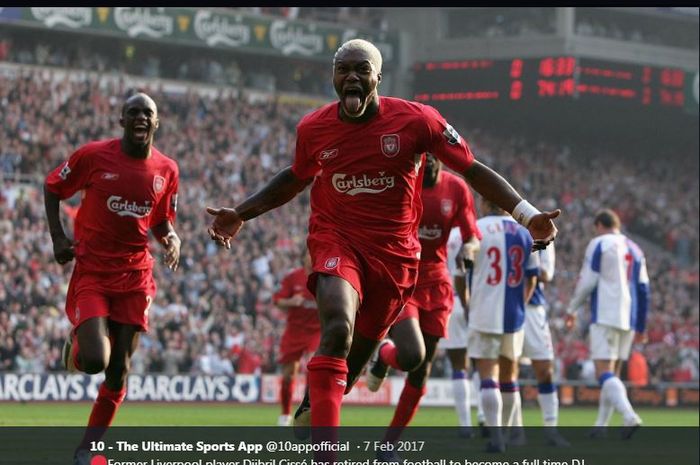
<point>580,108</point>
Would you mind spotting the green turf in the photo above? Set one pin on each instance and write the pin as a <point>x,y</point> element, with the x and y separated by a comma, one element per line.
<point>230,414</point>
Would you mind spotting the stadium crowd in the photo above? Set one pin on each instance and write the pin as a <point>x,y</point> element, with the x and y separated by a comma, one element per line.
<point>501,22</point>
<point>215,314</point>
<point>123,56</point>
<point>593,22</point>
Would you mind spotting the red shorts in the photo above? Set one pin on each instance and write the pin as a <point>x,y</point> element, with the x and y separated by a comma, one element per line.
<point>431,305</point>
<point>123,297</point>
<point>295,342</point>
<point>382,285</point>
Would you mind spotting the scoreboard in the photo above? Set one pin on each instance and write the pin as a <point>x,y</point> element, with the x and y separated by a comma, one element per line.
<point>556,78</point>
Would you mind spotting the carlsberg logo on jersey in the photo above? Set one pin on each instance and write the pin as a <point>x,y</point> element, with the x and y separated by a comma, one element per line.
<point>140,21</point>
<point>128,208</point>
<point>362,184</point>
<point>429,232</point>
<point>217,30</point>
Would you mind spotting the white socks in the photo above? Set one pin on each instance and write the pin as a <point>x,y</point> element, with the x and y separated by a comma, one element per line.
<point>512,409</point>
<point>492,403</point>
<point>460,391</point>
<point>549,405</point>
<point>613,395</point>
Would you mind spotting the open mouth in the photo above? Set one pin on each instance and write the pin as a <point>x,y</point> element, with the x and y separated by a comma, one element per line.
<point>353,98</point>
<point>140,131</point>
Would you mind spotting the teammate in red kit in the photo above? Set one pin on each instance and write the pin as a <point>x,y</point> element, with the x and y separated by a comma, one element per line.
<point>129,188</point>
<point>447,202</point>
<point>363,156</point>
<point>301,334</point>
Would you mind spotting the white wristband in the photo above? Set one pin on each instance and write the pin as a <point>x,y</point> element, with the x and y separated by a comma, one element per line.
<point>523,212</point>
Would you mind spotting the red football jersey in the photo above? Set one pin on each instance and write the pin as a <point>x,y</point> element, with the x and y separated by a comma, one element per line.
<point>447,204</point>
<point>369,175</point>
<point>123,197</point>
<point>305,317</point>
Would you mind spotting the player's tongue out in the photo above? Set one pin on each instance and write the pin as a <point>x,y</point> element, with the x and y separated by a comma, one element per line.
<point>352,103</point>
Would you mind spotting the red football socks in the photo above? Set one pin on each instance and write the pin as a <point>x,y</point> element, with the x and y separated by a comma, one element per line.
<point>327,380</point>
<point>388,354</point>
<point>103,411</point>
<point>286,390</point>
<point>405,410</point>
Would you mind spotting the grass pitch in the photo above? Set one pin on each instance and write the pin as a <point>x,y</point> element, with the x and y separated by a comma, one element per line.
<point>232,414</point>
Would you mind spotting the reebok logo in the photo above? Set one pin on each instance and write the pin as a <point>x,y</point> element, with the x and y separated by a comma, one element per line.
<point>362,184</point>
<point>328,154</point>
<point>341,382</point>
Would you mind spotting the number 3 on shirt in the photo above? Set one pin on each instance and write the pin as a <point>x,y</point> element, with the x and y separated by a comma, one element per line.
<point>515,274</point>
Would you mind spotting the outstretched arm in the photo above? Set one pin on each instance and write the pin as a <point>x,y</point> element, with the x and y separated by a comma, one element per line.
<point>280,190</point>
<point>495,188</point>
<point>63,250</point>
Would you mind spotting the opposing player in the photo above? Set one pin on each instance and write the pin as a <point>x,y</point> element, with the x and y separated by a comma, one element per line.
<point>538,348</point>
<point>504,278</point>
<point>459,262</point>
<point>614,276</point>
<point>302,332</point>
<point>129,188</point>
<point>362,155</point>
<point>447,202</point>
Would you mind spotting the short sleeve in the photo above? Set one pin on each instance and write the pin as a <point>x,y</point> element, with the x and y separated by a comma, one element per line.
<point>547,260</point>
<point>166,209</point>
<point>445,143</point>
<point>532,267</point>
<point>305,165</point>
<point>70,176</point>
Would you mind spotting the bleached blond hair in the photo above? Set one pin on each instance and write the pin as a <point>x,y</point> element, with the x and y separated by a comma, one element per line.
<point>375,56</point>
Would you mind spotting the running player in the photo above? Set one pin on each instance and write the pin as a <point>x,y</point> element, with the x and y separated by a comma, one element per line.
<point>301,334</point>
<point>362,155</point>
<point>129,188</point>
<point>447,202</point>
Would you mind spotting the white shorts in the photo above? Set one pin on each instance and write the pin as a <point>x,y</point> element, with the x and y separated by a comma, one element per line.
<point>538,337</point>
<point>456,329</point>
<point>608,343</point>
<point>491,346</point>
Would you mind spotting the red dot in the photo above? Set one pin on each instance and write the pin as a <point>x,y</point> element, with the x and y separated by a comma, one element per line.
<point>98,460</point>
